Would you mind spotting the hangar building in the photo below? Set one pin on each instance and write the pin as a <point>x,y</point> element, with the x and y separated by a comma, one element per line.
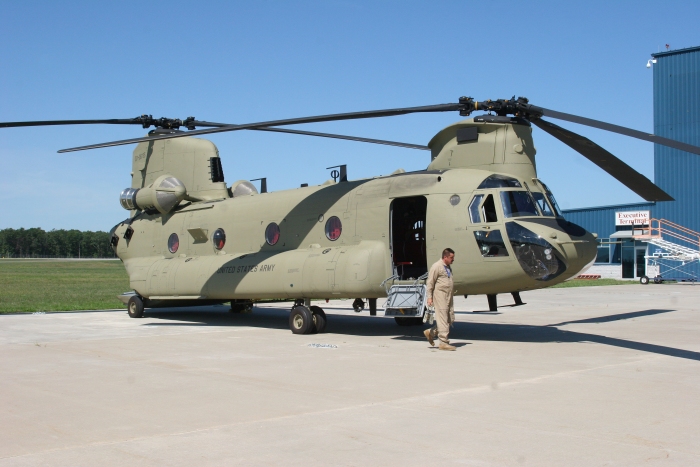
<point>676,116</point>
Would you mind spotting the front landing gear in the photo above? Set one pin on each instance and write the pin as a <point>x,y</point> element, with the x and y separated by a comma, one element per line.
<point>307,320</point>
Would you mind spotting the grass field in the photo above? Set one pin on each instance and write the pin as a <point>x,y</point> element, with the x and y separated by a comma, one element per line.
<point>54,285</point>
<point>593,282</point>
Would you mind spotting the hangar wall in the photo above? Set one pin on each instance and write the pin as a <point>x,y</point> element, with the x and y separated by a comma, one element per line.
<point>676,116</point>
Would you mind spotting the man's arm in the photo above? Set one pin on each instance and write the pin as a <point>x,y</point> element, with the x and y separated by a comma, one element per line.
<point>430,284</point>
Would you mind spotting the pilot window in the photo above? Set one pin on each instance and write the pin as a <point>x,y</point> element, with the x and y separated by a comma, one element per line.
<point>518,204</point>
<point>489,210</point>
<point>490,243</point>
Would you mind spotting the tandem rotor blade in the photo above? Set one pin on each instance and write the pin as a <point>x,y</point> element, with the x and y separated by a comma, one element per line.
<point>112,121</point>
<point>621,130</point>
<point>522,107</point>
<point>273,123</point>
<point>147,120</point>
<point>327,135</point>
<point>606,161</point>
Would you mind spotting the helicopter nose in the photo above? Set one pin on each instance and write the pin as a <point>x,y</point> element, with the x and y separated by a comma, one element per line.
<point>552,248</point>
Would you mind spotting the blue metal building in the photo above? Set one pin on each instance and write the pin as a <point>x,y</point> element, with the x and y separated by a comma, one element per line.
<point>676,116</point>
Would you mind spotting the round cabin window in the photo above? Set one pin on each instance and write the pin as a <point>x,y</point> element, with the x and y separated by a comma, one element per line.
<point>333,228</point>
<point>219,239</point>
<point>272,233</point>
<point>173,243</point>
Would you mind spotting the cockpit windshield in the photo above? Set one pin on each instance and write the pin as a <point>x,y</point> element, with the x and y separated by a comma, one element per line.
<point>518,204</point>
<point>542,204</point>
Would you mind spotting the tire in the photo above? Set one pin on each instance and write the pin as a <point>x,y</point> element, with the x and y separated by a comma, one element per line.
<point>301,320</point>
<point>644,280</point>
<point>135,307</point>
<point>319,317</point>
<point>358,305</point>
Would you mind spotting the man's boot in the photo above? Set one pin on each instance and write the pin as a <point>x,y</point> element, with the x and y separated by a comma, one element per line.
<point>444,346</point>
<point>428,335</point>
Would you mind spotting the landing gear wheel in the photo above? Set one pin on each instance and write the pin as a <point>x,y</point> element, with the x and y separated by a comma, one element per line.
<point>319,317</point>
<point>644,280</point>
<point>135,307</point>
<point>358,305</point>
<point>408,320</point>
<point>301,320</point>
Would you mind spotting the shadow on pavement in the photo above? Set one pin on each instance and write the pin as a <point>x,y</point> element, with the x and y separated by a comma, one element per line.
<point>619,317</point>
<point>363,325</point>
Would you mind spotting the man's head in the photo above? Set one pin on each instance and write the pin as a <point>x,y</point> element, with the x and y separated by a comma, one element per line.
<point>448,256</point>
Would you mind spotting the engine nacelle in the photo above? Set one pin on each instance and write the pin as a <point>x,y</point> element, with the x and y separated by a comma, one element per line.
<point>163,194</point>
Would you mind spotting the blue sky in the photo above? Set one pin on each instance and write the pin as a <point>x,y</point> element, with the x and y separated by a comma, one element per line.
<point>253,61</point>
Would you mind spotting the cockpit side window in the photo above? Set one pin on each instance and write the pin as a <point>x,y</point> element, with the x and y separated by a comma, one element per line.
<point>518,204</point>
<point>474,215</point>
<point>550,197</point>
<point>488,210</point>
<point>552,201</point>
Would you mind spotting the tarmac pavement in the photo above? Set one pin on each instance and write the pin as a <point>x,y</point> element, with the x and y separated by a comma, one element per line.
<point>577,376</point>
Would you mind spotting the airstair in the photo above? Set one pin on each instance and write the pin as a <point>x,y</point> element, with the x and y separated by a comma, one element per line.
<point>678,246</point>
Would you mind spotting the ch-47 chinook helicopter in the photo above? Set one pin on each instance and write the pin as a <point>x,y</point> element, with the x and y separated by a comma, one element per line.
<point>190,239</point>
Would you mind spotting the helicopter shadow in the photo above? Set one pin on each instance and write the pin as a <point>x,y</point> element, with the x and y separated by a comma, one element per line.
<point>366,326</point>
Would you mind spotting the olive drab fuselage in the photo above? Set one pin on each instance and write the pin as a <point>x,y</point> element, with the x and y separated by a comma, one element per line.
<point>470,198</point>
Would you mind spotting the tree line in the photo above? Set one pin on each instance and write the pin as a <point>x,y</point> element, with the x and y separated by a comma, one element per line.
<point>37,243</point>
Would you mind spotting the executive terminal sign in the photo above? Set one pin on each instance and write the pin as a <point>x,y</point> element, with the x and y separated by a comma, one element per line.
<point>632,218</point>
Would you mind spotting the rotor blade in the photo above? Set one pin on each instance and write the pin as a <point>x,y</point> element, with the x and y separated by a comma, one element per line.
<point>621,130</point>
<point>606,161</point>
<point>326,135</point>
<point>113,121</point>
<point>290,121</point>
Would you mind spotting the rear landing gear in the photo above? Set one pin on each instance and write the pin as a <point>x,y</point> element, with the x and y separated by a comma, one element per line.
<point>307,320</point>
<point>319,317</point>
<point>135,307</point>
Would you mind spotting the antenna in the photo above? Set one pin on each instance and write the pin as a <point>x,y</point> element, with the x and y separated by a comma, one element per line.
<point>263,184</point>
<point>343,174</point>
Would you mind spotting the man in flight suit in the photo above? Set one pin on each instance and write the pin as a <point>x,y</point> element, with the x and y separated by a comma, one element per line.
<point>440,291</point>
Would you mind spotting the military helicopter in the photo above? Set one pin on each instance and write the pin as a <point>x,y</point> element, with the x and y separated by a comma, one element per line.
<point>190,239</point>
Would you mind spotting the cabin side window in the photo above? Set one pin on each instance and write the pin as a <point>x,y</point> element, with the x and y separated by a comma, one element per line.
<point>474,214</point>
